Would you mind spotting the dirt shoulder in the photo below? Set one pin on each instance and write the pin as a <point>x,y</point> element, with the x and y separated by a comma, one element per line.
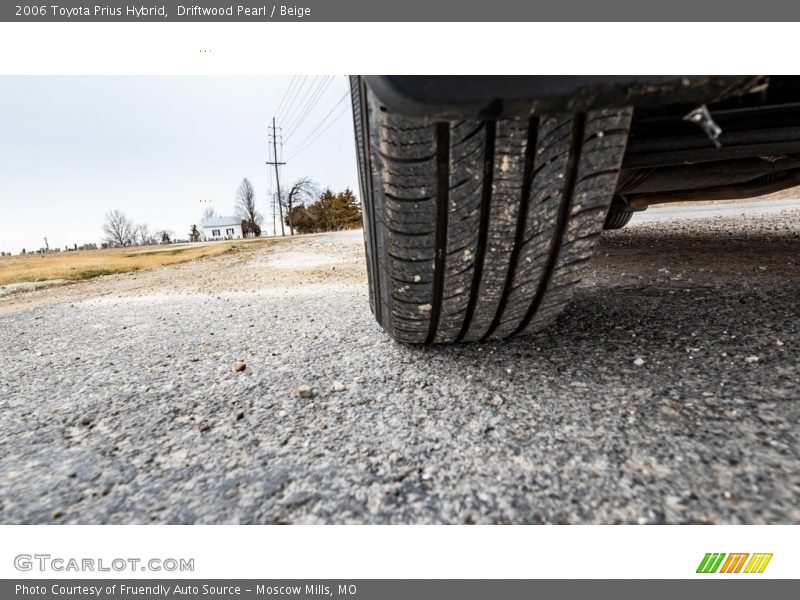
<point>711,251</point>
<point>282,262</point>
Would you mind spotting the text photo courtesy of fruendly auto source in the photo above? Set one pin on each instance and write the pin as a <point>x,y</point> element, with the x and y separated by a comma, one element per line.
<point>320,299</point>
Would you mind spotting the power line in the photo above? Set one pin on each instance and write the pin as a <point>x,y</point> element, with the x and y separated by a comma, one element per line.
<point>286,93</point>
<point>313,101</point>
<point>321,133</point>
<point>307,95</point>
<point>303,145</point>
<point>299,99</point>
<point>336,118</point>
<point>290,91</point>
<point>294,96</point>
<point>335,106</point>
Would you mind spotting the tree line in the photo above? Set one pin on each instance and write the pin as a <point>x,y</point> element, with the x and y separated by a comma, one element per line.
<point>120,230</point>
<point>329,212</point>
<point>303,208</point>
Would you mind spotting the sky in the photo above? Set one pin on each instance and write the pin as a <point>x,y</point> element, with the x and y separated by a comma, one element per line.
<point>75,148</point>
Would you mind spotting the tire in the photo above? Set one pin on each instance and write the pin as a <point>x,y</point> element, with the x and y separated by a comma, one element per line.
<point>617,217</point>
<point>478,230</point>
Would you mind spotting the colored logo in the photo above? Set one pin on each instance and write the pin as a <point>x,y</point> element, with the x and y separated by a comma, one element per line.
<point>734,563</point>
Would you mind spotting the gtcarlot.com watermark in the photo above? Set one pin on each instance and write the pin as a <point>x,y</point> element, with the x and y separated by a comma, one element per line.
<point>47,563</point>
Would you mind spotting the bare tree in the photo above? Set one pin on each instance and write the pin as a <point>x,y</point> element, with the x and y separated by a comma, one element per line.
<point>118,229</point>
<point>194,234</point>
<point>302,191</point>
<point>165,236</point>
<point>209,213</point>
<point>142,234</point>
<point>246,209</point>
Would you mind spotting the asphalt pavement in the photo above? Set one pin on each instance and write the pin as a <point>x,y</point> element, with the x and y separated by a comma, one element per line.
<point>668,392</point>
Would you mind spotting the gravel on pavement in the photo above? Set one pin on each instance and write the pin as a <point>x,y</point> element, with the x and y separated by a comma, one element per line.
<point>256,388</point>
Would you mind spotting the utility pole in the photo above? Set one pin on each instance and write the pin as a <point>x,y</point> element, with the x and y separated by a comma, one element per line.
<point>272,198</point>
<point>277,178</point>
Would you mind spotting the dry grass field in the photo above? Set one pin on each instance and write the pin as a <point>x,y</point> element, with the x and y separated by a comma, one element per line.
<point>85,264</point>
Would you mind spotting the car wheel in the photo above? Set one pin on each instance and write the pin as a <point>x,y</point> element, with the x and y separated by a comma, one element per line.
<point>618,216</point>
<point>479,230</point>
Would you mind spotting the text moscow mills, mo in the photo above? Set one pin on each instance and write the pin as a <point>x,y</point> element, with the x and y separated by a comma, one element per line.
<point>185,590</point>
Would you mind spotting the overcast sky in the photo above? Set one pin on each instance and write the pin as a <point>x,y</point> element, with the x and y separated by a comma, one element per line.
<point>74,148</point>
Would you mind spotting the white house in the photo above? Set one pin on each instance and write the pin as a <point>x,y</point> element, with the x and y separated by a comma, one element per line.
<point>222,228</point>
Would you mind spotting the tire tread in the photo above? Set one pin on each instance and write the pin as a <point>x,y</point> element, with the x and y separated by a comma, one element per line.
<point>481,230</point>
